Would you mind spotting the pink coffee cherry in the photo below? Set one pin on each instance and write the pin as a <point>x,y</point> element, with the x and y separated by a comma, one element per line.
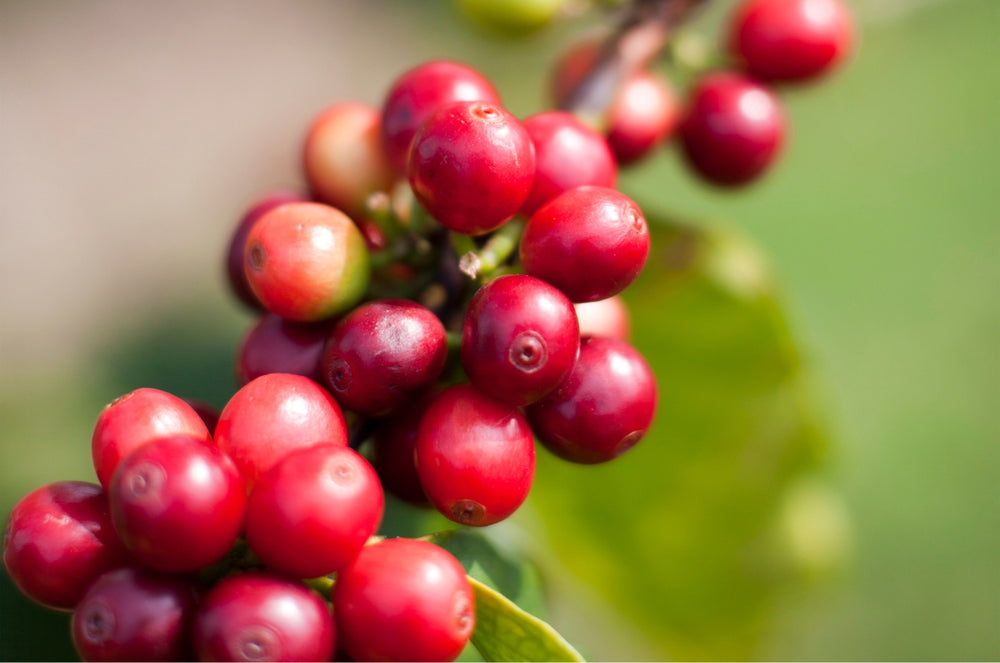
<point>605,317</point>
<point>58,539</point>
<point>472,165</point>
<point>645,115</point>
<point>404,600</point>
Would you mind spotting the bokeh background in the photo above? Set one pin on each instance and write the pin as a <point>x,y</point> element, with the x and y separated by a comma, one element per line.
<point>821,482</point>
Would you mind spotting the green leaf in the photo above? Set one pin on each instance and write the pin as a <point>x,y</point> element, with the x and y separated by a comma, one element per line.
<point>505,632</point>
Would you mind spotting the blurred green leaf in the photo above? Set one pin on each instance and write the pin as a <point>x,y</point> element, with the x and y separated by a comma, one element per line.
<point>683,534</point>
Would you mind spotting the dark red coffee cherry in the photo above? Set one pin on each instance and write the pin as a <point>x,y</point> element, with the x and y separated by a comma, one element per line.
<point>590,242</point>
<point>306,261</point>
<point>381,352</point>
<point>404,600</point>
<point>733,129</point>
<point>393,444</point>
<point>475,456</point>
<point>568,153</point>
<point>342,157</point>
<point>420,91</point>
<point>605,317</point>
<point>235,274</point>
<point>310,514</point>
<point>520,337</point>
<point>602,409</point>
<point>58,539</point>
<point>471,166</point>
<point>177,504</point>
<point>257,616</point>
<point>139,417</point>
<point>136,614</point>
<point>790,40</point>
<point>271,416</point>
<point>644,115</point>
<point>208,412</point>
<point>276,345</point>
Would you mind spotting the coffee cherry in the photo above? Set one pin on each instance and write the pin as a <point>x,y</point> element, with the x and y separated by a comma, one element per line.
<point>644,115</point>
<point>602,409</point>
<point>568,154</point>
<point>139,417</point>
<point>257,616</point>
<point>733,129</point>
<point>520,337</point>
<point>475,456</point>
<point>381,352</point>
<point>236,276</point>
<point>511,18</point>
<point>605,317</point>
<point>306,261</point>
<point>58,539</point>
<point>177,504</point>
<point>590,242</point>
<point>135,614</point>
<point>790,40</point>
<point>471,166</point>
<point>420,91</point>
<point>271,416</point>
<point>342,157</point>
<point>276,345</point>
<point>392,452</point>
<point>310,514</point>
<point>404,600</point>
<point>208,413</point>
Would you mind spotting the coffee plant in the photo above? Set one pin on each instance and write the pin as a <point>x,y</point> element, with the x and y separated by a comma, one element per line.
<point>441,301</point>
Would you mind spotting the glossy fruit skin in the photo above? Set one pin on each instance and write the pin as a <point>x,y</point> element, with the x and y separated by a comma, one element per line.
<point>520,338</point>
<point>644,115</point>
<point>393,444</point>
<point>311,513</point>
<point>259,616</point>
<point>605,317</point>
<point>381,352</point>
<point>472,166</point>
<point>58,539</point>
<point>306,261</point>
<point>733,129</point>
<point>602,409</point>
<point>411,589</point>
<point>276,345</point>
<point>342,157</point>
<point>420,91</point>
<point>790,41</point>
<point>590,242</point>
<point>177,504</point>
<point>136,418</point>
<point>568,153</point>
<point>235,274</point>
<point>475,456</point>
<point>271,416</point>
<point>511,18</point>
<point>136,614</point>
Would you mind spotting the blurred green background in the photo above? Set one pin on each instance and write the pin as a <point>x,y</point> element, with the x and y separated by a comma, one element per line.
<point>821,482</point>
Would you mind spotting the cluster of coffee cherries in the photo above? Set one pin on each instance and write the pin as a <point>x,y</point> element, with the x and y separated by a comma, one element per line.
<point>729,123</point>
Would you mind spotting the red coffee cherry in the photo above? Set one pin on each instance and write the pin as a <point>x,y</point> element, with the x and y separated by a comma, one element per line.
<point>271,416</point>
<point>258,616</point>
<point>644,115</point>
<point>568,154</point>
<point>135,614</point>
<point>393,444</point>
<point>420,91</point>
<point>733,129</point>
<point>790,40</point>
<point>381,352</point>
<point>276,345</point>
<point>605,317</point>
<point>177,504</point>
<point>342,157</point>
<point>471,166</point>
<point>136,418</point>
<point>475,456</point>
<point>590,242</point>
<point>404,600</point>
<point>602,409</point>
<point>58,539</point>
<point>306,261</point>
<point>520,337</point>
<point>311,513</point>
